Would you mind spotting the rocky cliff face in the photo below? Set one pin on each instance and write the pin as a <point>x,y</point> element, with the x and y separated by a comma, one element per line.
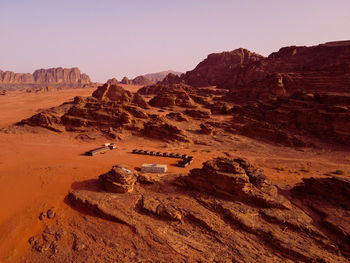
<point>302,89</point>
<point>322,68</point>
<point>69,77</point>
<point>297,90</point>
<point>218,68</point>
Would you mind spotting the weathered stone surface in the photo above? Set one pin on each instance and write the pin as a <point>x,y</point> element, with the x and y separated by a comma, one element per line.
<point>297,90</point>
<point>160,208</point>
<point>176,116</point>
<point>174,95</point>
<point>119,180</point>
<point>218,68</point>
<point>206,129</point>
<point>238,178</point>
<point>201,114</point>
<point>328,197</point>
<point>45,120</point>
<point>162,130</point>
<point>202,222</point>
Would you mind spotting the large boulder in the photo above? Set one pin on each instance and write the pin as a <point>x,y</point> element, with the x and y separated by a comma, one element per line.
<point>119,180</point>
<point>161,130</point>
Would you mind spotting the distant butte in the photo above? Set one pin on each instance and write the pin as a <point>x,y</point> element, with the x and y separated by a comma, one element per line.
<point>57,77</point>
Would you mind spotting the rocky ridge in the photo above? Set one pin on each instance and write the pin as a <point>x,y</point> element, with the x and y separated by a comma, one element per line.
<point>293,93</point>
<point>111,110</point>
<point>219,68</point>
<point>227,211</point>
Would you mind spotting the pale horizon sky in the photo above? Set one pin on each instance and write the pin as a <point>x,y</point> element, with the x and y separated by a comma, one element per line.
<point>107,39</point>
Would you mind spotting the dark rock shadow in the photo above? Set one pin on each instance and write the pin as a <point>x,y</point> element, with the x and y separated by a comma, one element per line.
<point>91,185</point>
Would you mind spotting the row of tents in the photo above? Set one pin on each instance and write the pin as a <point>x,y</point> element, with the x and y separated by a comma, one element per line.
<point>186,160</point>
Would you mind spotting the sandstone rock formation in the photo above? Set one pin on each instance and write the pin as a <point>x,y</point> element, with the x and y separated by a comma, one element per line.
<point>118,180</point>
<point>126,81</point>
<point>142,80</point>
<point>160,129</point>
<point>200,114</point>
<point>239,178</point>
<point>173,95</point>
<point>159,76</point>
<point>112,110</point>
<point>112,81</point>
<point>149,79</point>
<point>176,116</point>
<point>227,211</point>
<point>139,80</point>
<point>61,75</point>
<point>283,119</point>
<point>293,93</point>
<point>297,96</point>
<point>57,77</point>
<point>328,198</point>
<point>171,79</point>
<point>218,68</point>
<point>206,129</point>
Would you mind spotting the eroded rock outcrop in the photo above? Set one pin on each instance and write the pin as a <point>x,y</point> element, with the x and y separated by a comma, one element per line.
<point>218,68</point>
<point>227,211</point>
<point>118,180</point>
<point>293,95</point>
<point>206,129</point>
<point>328,197</point>
<point>200,114</point>
<point>176,116</point>
<point>111,110</point>
<point>112,81</point>
<point>160,129</point>
<point>173,95</point>
<point>159,76</point>
<point>236,177</point>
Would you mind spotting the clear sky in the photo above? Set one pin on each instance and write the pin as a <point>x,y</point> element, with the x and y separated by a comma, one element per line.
<point>107,38</point>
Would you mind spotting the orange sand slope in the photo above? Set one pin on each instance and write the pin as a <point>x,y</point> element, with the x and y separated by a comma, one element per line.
<point>17,105</point>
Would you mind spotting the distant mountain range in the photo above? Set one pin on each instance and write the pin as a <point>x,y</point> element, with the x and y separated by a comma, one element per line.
<point>145,80</point>
<point>56,77</point>
<point>68,78</point>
